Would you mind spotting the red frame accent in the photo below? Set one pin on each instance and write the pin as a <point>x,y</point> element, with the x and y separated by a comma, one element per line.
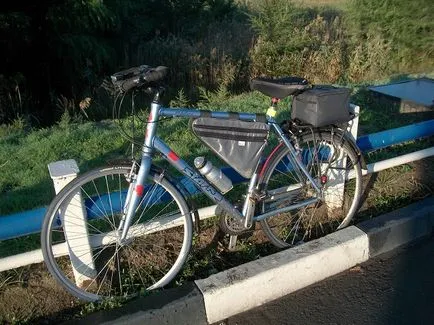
<point>267,161</point>
<point>139,189</point>
<point>149,121</point>
<point>172,156</point>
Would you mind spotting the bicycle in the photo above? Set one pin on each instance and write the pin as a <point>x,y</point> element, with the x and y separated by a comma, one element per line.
<point>120,231</point>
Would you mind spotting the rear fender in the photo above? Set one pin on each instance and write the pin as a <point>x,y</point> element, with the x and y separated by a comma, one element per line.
<point>350,140</point>
<point>346,138</point>
<point>339,133</point>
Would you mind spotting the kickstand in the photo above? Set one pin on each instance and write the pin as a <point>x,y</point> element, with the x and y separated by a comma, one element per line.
<point>232,242</point>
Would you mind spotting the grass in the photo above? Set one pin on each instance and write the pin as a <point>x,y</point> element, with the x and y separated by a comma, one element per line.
<point>25,153</point>
<point>398,150</point>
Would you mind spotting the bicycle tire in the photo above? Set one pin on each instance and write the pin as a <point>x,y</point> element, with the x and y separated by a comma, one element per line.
<point>149,259</point>
<point>313,221</point>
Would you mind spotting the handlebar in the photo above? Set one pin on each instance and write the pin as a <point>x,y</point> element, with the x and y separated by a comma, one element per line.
<point>143,75</point>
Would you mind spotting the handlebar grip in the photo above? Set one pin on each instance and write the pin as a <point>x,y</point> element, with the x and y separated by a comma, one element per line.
<point>129,73</point>
<point>127,79</point>
<point>156,74</point>
<point>138,76</point>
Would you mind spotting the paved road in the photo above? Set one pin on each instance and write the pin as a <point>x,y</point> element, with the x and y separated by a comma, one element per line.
<point>395,288</point>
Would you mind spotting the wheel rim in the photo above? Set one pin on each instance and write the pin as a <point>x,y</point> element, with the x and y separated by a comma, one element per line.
<point>332,212</point>
<point>105,267</point>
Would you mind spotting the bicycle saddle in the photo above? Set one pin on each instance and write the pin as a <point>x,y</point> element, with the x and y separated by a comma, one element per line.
<point>279,88</point>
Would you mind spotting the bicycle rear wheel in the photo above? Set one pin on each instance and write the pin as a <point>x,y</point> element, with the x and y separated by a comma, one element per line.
<point>81,242</point>
<point>335,166</point>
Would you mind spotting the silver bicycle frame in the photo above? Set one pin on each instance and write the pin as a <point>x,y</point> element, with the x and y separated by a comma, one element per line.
<point>153,142</point>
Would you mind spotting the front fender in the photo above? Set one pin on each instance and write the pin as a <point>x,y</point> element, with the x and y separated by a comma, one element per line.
<point>184,192</point>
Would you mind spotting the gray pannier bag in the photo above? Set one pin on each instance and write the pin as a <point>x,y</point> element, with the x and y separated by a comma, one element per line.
<point>322,105</point>
<point>238,143</point>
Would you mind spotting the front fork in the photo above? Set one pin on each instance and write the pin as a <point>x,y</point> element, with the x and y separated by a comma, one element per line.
<point>134,196</point>
<point>137,186</point>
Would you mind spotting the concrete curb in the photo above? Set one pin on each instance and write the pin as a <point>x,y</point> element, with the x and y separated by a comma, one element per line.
<point>399,227</point>
<point>182,305</point>
<point>252,284</point>
<point>255,283</point>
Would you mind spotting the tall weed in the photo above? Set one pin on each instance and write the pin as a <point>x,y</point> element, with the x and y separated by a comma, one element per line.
<point>391,36</point>
<point>294,40</point>
<point>370,59</point>
<point>221,56</point>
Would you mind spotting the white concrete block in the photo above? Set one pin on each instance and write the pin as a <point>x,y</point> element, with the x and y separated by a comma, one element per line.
<point>253,284</point>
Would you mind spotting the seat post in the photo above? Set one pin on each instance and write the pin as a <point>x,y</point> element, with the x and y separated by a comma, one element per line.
<point>274,101</point>
<point>272,110</point>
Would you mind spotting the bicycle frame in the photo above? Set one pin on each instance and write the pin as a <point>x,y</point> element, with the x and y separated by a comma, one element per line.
<point>152,142</point>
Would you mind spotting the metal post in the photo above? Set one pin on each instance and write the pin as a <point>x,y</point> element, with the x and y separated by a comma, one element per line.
<point>74,223</point>
<point>334,193</point>
<point>353,126</point>
<point>232,242</point>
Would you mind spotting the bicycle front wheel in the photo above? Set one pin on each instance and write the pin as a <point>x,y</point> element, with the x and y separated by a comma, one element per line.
<point>81,239</point>
<point>334,165</point>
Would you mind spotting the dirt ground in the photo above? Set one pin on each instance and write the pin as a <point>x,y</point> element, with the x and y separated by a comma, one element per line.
<point>31,295</point>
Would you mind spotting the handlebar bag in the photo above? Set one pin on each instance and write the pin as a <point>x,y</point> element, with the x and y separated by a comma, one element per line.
<point>238,143</point>
<point>322,105</point>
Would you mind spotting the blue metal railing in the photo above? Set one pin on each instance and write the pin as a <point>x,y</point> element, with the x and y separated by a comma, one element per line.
<point>29,222</point>
<point>391,137</point>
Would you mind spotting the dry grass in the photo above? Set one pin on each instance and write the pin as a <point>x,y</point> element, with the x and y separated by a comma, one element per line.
<point>321,3</point>
<point>303,3</point>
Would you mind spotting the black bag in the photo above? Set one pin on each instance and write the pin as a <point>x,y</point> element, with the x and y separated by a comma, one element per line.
<point>238,143</point>
<point>322,105</point>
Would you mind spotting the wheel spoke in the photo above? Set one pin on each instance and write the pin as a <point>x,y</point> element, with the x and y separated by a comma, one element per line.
<point>320,153</point>
<point>120,268</point>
